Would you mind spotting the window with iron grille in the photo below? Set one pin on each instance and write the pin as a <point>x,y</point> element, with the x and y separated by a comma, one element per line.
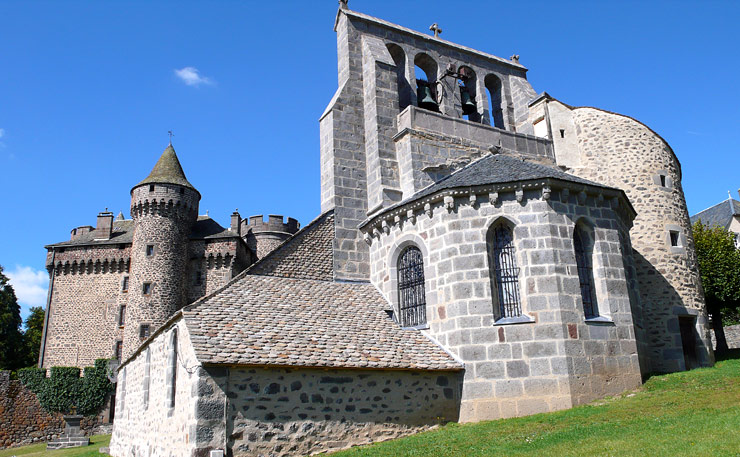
<point>411,298</point>
<point>506,272</point>
<point>583,247</point>
<point>144,331</point>
<point>122,316</point>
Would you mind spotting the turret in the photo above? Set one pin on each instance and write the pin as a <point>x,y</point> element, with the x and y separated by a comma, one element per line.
<point>262,236</point>
<point>164,207</point>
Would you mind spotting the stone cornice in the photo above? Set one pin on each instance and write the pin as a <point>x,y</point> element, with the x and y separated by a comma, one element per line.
<point>409,211</point>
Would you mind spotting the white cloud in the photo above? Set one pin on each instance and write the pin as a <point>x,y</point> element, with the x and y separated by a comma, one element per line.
<point>191,77</point>
<point>2,133</point>
<point>30,286</point>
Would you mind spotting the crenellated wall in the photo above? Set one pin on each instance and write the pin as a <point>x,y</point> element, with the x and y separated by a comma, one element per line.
<point>263,236</point>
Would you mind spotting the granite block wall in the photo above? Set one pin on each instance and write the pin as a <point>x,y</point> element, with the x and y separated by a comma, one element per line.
<point>555,358</point>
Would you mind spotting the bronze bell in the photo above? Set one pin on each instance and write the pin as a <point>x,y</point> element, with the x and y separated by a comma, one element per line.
<point>425,96</point>
<point>468,102</point>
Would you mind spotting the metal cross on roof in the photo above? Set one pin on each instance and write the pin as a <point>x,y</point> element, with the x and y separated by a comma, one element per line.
<point>435,28</point>
<point>171,135</point>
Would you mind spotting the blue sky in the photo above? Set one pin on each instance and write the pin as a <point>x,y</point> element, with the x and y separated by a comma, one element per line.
<point>89,89</point>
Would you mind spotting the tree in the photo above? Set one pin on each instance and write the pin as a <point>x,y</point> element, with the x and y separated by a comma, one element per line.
<point>719,266</point>
<point>32,336</point>
<point>11,339</point>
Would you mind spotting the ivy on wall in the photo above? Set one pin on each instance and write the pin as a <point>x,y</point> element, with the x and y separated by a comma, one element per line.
<point>64,391</point>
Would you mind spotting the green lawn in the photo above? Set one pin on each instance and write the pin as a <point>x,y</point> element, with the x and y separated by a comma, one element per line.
<point>694,413</point>
<point>37,450</point>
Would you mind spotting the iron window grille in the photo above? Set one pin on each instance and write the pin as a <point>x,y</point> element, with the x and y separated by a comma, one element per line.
<point>122,316</point>
<point>506,272</point>
<point>124,285</point>
<point>411,297</point>
<point>585,274</point>
<point>144,331</point>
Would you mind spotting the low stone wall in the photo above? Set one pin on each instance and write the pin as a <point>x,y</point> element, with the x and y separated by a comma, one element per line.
<point>732,334</point>
<point>304,411</point>
<point>23,421</point>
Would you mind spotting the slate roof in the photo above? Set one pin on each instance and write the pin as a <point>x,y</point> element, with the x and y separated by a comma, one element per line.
<point>167,170</point>
<point>720,214</point>
<point>267,320</point>
<point>123,232</point>
<point>494,169</point>
<point>307,254</point>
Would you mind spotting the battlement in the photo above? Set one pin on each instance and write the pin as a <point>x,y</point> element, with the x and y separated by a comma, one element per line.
<point>77,232</point>
<point>274,223</point>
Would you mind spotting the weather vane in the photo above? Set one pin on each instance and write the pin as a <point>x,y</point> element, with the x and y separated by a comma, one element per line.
<point>171,135</point>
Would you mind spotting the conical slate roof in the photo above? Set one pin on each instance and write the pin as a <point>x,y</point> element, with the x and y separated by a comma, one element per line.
<point>167,171</point>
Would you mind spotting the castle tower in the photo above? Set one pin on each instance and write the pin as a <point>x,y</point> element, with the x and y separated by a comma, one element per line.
<point>164,207</point>
<point>264,236</point>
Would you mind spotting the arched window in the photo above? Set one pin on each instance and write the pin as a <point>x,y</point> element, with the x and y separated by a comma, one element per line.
<point>411,298</point>
<point>584,247</point>
<point>404,88</point>
<point>496,100</point>
<point>426,78</point>
<point>505,271</point>
<point>172,393</point>
<point>468,94</point>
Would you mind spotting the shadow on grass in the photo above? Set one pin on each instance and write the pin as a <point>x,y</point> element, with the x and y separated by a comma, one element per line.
<point>732,354</point>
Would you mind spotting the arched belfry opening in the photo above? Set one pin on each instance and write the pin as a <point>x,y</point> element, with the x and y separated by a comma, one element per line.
<point>426,77</point>
<point>495,100</point>
<point>467,83</point>
<point>404,88</point>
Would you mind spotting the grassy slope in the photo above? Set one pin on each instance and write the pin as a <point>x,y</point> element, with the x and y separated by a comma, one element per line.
<point>37,450</point>
<point>694,413</point>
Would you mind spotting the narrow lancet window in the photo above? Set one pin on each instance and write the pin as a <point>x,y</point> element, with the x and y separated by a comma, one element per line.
<point>173,371</point>
<point>583,246</point>
<point>411,298</point>
<point>506,272</point>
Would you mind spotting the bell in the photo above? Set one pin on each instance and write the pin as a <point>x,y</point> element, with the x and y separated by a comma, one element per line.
<point>426,98</point>
<point>468,102</point>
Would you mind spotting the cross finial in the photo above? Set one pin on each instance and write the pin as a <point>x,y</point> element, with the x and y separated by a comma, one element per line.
<point>435,28</point>
<point>169,132</point>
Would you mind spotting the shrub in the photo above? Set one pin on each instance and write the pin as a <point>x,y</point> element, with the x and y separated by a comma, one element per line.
<point>64,391</point>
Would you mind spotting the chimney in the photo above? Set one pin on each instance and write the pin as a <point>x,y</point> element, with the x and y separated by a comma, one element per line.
<point>104,227</point>
<point>236,222</point>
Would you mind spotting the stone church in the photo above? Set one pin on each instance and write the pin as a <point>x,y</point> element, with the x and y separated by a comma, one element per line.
<point>483,251</point>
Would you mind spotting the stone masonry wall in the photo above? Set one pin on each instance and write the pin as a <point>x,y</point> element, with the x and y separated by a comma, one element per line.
<point>619,151</point>
<point>23,420</point>
<point>358,126</point>
<point>212,264</point>
<point>85,303</point>
<point>163,218</point>
<point>145,423</point>
<point>302,411</point>
<point>557,360</point>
